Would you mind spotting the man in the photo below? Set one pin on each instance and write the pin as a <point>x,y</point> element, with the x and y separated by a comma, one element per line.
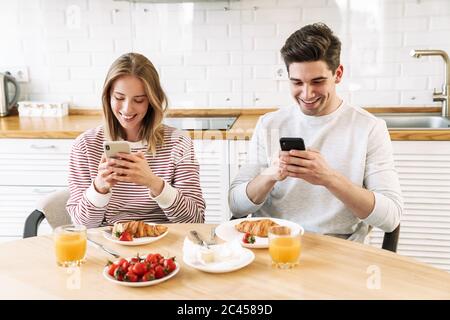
<point>345,182</point>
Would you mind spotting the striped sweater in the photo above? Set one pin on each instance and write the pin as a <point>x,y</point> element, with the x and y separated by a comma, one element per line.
<point>180,201</point>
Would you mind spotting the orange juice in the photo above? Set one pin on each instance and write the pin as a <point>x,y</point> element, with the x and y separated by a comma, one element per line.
<point>285,249</point>
<point>70,247</point>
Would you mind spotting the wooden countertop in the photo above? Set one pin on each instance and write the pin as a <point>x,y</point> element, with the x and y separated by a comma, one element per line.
<point>78,121</point>
<point>330,268</point>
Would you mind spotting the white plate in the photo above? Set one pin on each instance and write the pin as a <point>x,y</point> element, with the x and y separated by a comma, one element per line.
<point>140,284</point>
<point>228,232</point>
<point>245,259</point>
<point>135,241</point>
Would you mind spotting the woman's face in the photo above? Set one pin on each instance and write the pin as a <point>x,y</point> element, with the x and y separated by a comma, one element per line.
<point>129,103</point>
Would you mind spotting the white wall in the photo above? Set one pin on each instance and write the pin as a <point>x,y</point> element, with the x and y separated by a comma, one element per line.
<point>211,57</point>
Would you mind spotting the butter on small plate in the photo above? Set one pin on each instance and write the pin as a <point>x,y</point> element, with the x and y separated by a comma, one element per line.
<point>220,258</point>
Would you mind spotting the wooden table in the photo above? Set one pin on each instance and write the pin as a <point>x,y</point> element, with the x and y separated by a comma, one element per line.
<point>330,268</point>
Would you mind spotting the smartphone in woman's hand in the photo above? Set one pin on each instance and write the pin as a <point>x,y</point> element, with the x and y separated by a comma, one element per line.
<point>111,148</point>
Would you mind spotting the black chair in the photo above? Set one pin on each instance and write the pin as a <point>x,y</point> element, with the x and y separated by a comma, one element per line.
<point>390,239</point>
<point>53,208</point>
<point>32,224</point>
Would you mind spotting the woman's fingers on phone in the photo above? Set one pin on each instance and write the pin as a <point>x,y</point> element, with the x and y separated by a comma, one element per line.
<point>119,171</point>
<point>105,172</point>
<point>126,156</point>
<point>118,163</point>
<point>110,180</point>
<point>103,166</point>
<point>140,154</point>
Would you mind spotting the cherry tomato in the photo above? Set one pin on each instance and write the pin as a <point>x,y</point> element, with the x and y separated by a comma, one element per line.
<point>159,272</point>
<point>119,273</point>
<point>248,238</point>
<point>126,236</point>
<point>169,265</point>
<point>122,260</point>
<point>134,260</point>
<point>111,269</point>
<point>149,258</point>
<point>149,276</point>
<point>139,268</point>
<point>153,258</point>
<point>130,277</point>
<point>125,265</point>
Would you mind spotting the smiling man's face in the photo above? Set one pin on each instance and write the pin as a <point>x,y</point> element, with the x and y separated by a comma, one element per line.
<point>313,86</point>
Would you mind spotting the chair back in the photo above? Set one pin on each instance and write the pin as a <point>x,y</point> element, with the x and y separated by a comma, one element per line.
<point>390,239</point>
<point>53,206</point>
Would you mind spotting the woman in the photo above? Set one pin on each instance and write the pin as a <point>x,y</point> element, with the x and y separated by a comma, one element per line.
<point>159,181</point>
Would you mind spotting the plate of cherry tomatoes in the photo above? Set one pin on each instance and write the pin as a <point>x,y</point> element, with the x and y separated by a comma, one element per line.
<point>141,271</point>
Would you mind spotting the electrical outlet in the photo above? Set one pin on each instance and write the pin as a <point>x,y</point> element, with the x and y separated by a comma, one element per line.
<point>280,72</point>
<point>19,73</point>
<point>73,17</point>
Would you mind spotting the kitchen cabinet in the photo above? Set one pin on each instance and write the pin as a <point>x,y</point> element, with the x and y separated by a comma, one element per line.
<point>29,169</point>
<point>238,155</point>
<point>212,156</point>
<point>424,173</point>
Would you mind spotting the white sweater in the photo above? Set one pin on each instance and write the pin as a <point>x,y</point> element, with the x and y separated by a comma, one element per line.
<point>353,142</point>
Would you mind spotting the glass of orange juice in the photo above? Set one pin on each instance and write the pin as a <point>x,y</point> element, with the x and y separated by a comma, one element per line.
<point>70,245</point>
<point>285,246</point>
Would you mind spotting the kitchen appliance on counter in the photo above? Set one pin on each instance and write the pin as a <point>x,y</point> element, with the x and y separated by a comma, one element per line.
<point>7,102</point>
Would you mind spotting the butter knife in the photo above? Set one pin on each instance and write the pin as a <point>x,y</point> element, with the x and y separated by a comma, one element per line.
<point>197,238</point>
<point>98,245</point>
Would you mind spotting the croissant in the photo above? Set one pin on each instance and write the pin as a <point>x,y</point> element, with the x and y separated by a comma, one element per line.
<point>259,228</point>
<point>139,229</point>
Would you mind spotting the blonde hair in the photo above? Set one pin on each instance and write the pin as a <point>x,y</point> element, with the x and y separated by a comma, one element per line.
<point>151,129</point>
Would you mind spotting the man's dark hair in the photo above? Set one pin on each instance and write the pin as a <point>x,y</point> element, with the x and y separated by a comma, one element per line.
<point>313,42</point>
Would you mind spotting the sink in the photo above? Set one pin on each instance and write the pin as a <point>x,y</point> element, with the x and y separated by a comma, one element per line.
<point>201,123</point>
<point>416,122</point>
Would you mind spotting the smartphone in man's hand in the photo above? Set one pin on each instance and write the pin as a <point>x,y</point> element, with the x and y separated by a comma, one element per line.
<point>288,143</point>
<point>111,148</point>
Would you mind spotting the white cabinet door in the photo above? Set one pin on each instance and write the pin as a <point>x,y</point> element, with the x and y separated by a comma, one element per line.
<point>424,173</point>
<point>212,156</point>
<point>29,169</point>
<point>34,162</point>
<point>238,156</point>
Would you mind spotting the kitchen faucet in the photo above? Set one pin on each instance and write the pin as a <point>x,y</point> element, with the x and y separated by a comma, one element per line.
<point>445,93</point>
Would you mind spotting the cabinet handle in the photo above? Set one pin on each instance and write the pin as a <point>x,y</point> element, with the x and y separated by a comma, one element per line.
<point>43,191</point>
<point>52,146</point>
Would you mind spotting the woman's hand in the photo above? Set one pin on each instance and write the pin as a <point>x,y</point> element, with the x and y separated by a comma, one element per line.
<point>134,168</point>
<point>104,180</point>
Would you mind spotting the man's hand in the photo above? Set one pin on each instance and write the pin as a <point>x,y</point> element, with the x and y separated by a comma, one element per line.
<point>307,165</point>
<point>258,188</point>
<point>276,172</point>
